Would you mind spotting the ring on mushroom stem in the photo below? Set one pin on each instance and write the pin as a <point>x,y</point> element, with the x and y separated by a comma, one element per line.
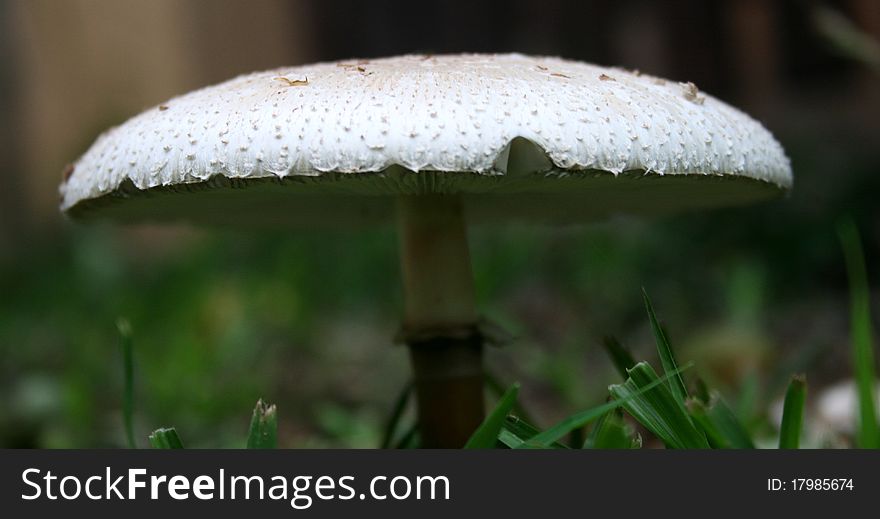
<point>428,140</point>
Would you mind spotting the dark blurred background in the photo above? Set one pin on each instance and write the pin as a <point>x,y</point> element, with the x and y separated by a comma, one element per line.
<point>304,319</point>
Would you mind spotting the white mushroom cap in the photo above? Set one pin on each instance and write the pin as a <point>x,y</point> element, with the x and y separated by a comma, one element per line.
<point>518,137</point>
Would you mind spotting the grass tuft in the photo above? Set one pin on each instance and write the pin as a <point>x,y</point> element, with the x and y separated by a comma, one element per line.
<point>625,398</point>
<point>655,407</point>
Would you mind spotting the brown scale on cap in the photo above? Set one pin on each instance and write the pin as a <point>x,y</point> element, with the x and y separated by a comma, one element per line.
<point>293,82</point>
<point>692,93</point>
<point>359,66</point>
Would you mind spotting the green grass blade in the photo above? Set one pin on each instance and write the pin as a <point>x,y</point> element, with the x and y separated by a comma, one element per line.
<point>125,345</point>
<point>409,439</point>
<point>497,388</point>
<point>517,431</point>
<point>620,356</point>
<point>165,438</point>
<point>655,407</point>
<point>723,429</point>
<point>509,439</point>
<point>565,426</point>
<point>700,414</point>
<point>396,414</point>
<point>701,390</point>
<point>729,424</point>
<point>263,432</point>
<point>667,358</point>
<point>610,432</point>
<point>486,435</point>
<point>793,413</point>
<point>868,435</point>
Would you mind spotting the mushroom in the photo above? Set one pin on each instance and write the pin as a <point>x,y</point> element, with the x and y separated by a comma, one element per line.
<point>433,142</point>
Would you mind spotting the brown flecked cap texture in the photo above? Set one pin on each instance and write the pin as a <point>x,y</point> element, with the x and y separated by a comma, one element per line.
<point>519,138</point>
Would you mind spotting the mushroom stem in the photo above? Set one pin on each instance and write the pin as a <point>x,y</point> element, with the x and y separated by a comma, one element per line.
<point>440,319</point>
